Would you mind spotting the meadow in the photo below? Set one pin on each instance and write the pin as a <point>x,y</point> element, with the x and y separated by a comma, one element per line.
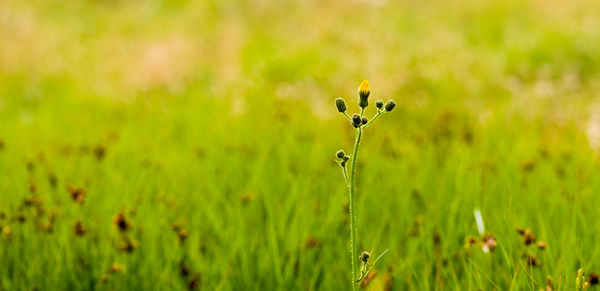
<point>175,145</point>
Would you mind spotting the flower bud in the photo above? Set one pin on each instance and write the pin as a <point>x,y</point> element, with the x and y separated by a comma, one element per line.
<point>363,94</point>
<point>340,104</point>
<point>364,120</point>
<point>356,121</point>
<point>379,104</point>
<point>365,257</point>
<point>340,154</point>
<point>389,106</point>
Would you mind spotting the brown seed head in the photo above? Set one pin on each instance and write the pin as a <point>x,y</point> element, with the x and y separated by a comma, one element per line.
<point>77,194</point>
<point>79,229</point>
<point>528,237</point>
<point>532,261</point>
<point>594,279</point>
<point>194,283</point>
<point>121,223</point>
<point>183,235</point>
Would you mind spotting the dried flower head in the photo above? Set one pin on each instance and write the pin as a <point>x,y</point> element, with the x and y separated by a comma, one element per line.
<point>184,269</point>
<point>121,223</point>
<point>182,235</point>
<point>470,241</point>
<point>528,237</point>
<point>594,279</point>
<point>532,261</point>
<point>368,279</point>
<point>79,229</point>
<point>128,245</point>
<point>77,194</point>
<point>99,151</point>
<point>489,243</point>
<point>194,283</point>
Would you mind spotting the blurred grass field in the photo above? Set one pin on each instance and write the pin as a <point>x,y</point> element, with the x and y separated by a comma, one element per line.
<point>210,126</point>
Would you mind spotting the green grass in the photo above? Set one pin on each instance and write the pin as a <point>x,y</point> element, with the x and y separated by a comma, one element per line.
<point>218,116</point>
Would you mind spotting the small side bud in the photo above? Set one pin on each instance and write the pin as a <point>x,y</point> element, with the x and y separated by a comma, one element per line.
<point>340,104</point>
<point>356,121</point>
<point>389,106</point>
<point>340,154</point>
<point>364,120</point>
<point>365,257</point>
<point>363,94</point>
<point>379,104</point>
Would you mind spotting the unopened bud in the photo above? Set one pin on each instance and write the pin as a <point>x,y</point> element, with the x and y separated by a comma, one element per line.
<point>389,106</point>
<point>356,120</point>
<point>365,257</point>
<point>340,154</point>
<point>364,120</point>
<point>379,104</point>
<point>363,94</point>
<point>340,104</point>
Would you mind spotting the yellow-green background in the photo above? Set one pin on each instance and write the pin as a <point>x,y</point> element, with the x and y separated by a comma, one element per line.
<point>218,116</point>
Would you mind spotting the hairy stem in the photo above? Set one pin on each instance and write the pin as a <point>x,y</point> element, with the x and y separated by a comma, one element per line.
<point>379,113</point>
<point>347,117</point>
<point>352,206</point>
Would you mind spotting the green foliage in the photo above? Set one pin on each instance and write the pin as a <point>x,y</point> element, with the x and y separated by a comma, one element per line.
<point>208,126</point>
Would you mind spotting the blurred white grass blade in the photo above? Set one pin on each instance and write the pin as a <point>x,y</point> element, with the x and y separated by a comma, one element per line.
<point>479,221</point>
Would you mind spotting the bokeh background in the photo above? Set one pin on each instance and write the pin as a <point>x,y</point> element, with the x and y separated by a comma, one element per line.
<point>174,145</point>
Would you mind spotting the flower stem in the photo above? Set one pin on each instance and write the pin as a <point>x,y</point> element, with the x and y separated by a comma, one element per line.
<point>379,113</point>
<point>352,206</point>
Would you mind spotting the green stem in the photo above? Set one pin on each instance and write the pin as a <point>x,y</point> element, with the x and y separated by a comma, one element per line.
<point>347,117</point>
<point>379,113</point>
<point>345,173</point>
<point>352,206</point>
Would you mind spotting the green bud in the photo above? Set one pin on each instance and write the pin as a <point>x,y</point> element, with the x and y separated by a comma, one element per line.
<point>340,154</point>
<point>379,104</point>
<point>389,106</point>
<point>365,257</point>
<point>340,104</point>
<point>356,120</point>
<point>363,94</point>
<point>364,120</point>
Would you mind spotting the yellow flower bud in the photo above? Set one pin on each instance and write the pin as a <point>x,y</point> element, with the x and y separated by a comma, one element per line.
<point>363,94</point>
